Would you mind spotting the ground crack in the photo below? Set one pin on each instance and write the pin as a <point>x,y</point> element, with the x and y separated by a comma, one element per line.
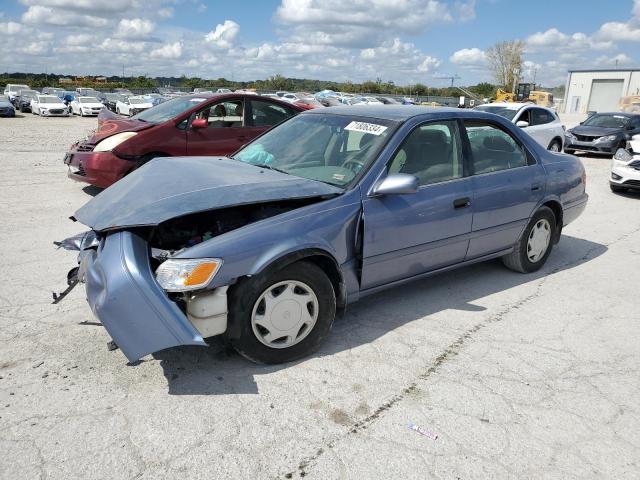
<point>451,351</point>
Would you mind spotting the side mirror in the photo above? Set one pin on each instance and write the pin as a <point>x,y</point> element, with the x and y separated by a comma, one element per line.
<point>199,123</point>
<point>396,184</point>
<point>522,124</point>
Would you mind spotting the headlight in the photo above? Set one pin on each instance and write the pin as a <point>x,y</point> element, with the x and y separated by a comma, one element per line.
<point>608,138</point>
<point>178,275</point>
<point>623,156</point>
<point>113,141</point>
<point>570,134</point>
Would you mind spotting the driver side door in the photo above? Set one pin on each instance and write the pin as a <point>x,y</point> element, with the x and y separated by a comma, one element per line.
<point>225,132</point>
<point>409,234</point>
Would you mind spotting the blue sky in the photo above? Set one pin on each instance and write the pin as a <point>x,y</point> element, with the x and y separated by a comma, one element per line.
<point>406,41</point>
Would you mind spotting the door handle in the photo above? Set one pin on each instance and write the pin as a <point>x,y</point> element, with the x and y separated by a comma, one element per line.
<point>535,186</point>
<point>461,202</point>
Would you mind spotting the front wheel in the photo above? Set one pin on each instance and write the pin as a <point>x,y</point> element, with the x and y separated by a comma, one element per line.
<point>283,315</point>
<point>555,146</point>
<point>535,244</point>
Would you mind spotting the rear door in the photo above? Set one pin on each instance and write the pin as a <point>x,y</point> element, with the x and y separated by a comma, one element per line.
<point>507,186</point>
<point>225,132</point>
<point>543,126</point>
<point>406,235</point>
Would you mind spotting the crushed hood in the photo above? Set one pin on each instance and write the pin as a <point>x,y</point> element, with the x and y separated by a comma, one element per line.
<point>595,131</point>
<point>109,124</point>
<point>166,188</point>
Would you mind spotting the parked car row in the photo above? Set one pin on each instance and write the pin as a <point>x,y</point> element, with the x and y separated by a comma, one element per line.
<point>265,245</point>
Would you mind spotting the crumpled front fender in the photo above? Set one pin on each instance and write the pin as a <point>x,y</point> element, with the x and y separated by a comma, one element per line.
<point>124,295</point>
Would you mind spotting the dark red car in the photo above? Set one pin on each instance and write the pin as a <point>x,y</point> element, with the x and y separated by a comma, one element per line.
<point>188,125</point>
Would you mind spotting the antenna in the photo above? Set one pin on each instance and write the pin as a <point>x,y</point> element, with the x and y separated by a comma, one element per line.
<point>453,77</point>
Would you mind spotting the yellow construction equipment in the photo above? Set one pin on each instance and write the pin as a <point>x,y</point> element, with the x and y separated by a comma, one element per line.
<point>525,93</point>
<point>630,103</point>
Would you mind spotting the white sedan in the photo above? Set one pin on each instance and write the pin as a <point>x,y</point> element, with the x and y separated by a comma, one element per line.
<point>48,106</point>
<point>541,123</point>
<point>86,106</point>
<point>625,168</point>
<point>132,105</point>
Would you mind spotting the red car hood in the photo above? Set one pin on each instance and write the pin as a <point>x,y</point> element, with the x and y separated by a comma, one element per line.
<point>110,124</point>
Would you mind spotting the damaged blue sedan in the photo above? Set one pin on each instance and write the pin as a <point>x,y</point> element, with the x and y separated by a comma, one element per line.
<point>264,247</point>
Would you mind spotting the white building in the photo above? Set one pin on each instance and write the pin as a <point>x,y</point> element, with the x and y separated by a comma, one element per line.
<point>599,90</point>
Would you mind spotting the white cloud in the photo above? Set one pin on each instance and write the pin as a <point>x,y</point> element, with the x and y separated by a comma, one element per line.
<point>224,34</point>
<point>619,60</point>
<point>360,23</point>
<point>121,46</point>
<point>134,28</point>
<point>165,13</point>
<point>619,32</point>
<point>11,28</point>
<point>92,6</point>
<point>468,56</point>
<point>39,15</point>
<point>169,51</point>
<point>79,39</point>
<point>465,11</point>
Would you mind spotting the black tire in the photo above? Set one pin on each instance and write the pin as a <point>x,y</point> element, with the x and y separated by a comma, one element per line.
<point>244,295</point>
<point>617,189</point>
<point>518,260</point>
<point>556,143</point>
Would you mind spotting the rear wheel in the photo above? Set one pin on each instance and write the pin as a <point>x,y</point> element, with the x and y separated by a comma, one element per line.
<point>283,315</point>
<point>535,244</point>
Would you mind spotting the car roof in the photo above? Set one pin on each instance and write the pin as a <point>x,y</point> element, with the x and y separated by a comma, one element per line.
<point>384,112</point>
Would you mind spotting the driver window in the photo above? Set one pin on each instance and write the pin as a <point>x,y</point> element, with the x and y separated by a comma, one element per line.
<point>224,114</point>
<point>525,116</point>
<point>432,153</point>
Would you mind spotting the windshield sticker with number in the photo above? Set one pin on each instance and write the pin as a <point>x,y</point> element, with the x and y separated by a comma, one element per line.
<point>364,127</point>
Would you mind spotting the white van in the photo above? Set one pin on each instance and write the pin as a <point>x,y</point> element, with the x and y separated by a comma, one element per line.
<point>12,89</point>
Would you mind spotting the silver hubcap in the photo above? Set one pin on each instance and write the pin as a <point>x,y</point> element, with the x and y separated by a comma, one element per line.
<point>538,240</point>
<point>284,314</point>
<point>554,147</point>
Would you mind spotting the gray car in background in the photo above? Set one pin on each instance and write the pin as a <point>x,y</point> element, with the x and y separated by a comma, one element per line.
<point>328,207</point>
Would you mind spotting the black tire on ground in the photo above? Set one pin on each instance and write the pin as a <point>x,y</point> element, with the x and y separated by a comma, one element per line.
<point>244,295</point>
<point>556,143</point>
<point>518,260</point>
<point>617,189</point>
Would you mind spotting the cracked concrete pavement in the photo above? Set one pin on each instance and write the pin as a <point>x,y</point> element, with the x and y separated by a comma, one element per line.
<point>520,376</point>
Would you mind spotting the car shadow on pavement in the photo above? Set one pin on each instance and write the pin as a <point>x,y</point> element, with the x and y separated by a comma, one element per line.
<point>92,190</point>
<point>218,371</point>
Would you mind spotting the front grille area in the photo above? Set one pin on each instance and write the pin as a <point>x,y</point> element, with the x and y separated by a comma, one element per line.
<point>56,111</point>
<point>633,183</point>
<point>584,138</point>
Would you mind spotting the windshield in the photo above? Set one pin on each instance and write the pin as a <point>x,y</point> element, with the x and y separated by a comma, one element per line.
<point>49,99</point>
<point>330,148</point>
<point>28,93</point>
<point>169,109</point>
<point>88,100</point>
<point>17,88</point>
<point>505,112</point>
<point>607,121</point>
<point>135,101</point>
